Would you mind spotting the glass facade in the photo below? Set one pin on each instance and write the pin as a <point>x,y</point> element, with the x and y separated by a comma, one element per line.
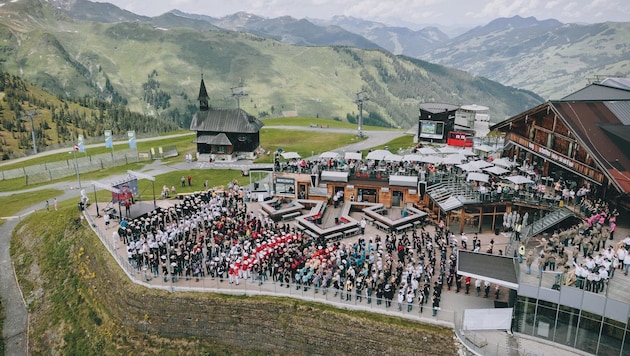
<point>572,327</point>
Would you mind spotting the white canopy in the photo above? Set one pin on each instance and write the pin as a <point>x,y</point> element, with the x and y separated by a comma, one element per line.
<point>468,167</point>
<point>290,155</point>
<point>353,155</point>
<point>329,154</point>
<point>393,158</point>
<point>480,164</point>
<point>467,152</point>
<point>480,177</point>
<point>503,162</point>
<point>519,180</point>
<point>484,148</point>
<point>431,159</point>
<point>455,158</point>
<point>449,149</point>
<point>378,155</point>
<point>412,158</point>
<point>496,170</point>
<point>426,151</point>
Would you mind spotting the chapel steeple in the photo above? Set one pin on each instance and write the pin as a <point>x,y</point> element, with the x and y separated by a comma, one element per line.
<point>203,96</point>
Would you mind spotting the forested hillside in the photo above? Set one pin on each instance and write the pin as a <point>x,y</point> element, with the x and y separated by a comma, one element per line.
<point>59,121</point>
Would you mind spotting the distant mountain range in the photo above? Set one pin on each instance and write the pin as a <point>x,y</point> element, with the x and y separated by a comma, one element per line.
<point>153,65</point>
<point>547,57</point>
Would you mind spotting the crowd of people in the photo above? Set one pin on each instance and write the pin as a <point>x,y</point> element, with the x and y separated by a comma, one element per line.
<point>215,234</point>
<point>583,254</point>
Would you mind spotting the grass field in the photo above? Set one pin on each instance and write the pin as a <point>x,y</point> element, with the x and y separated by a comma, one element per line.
<point>12,204</point>
<point>305,143</point>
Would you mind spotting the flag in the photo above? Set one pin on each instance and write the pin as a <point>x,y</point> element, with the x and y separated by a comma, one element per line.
<point>108,139</point>
<point>76,146</point>
<point>132,139</point>
<point>81,143</point>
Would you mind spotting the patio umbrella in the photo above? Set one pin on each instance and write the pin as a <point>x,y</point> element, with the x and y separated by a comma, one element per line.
<point>496,170</point>
<point>480,177</point>
<point>378,155</point>
<point>519,180</point>
<point>449,150</point>
<point>467,152</point>
<point>426,151</point>
<point>484,148</point>
<point>412,158</point>
<point>353,155</point>
<point>480,164</point>
<point>393,158</point>
<point>329,154</point>
<point>468,167</point>
<point>455,158</point>
<point>290,155</point>
<point>431,159</point>
<point>503,162</point>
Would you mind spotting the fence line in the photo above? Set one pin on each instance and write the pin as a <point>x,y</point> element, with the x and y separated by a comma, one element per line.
<point>61,169</point>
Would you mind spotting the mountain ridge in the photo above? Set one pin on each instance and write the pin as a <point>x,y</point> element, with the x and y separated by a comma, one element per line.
<point>155,66</point>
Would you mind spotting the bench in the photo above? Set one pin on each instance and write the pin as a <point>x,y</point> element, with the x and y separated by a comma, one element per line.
<point>291,216</point>
<point>263,213</point>
<point>403,227</point>
<point>369,219</point>
<point>381,226</point>
<point>298,227</point>
<point>351,232</point>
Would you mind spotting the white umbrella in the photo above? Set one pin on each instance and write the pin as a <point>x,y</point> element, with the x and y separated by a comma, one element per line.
<point>484,148</point>
<point>496,170</point>
<point>353,155</point>
<point>468,167</point>
<point>503,162</point>
<point>431,159</point>
<point>426,151</point>
<point>449,149</point>
<point>378,155</point>
<point>329,154</point>
<point>412,158</point>
<point>290,155</point>
<point>393,158</point>
<point>480,164</point>
<point>467,152</point>
<point>480,177</point>
<point>519,180</point>
<point>455,158</point>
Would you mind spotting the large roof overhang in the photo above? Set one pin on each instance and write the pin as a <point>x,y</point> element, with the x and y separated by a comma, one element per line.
<point>501,270</point>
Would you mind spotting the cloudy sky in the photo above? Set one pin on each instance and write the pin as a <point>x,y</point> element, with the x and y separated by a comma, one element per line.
<point>397,12</point>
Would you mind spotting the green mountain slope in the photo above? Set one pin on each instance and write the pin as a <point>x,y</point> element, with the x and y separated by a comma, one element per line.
<point>548,57</point>
<point>116,61</point>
